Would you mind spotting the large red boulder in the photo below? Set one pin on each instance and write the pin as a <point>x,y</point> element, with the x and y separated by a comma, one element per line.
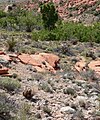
<point>41,61</point>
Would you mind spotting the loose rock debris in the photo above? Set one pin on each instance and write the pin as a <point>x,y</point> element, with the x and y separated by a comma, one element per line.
<point>42,62</point>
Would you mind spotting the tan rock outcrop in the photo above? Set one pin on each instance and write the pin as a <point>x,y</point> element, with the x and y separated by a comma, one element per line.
<point>80,66</point>
<point>42,61</point>
<point>95,65</point>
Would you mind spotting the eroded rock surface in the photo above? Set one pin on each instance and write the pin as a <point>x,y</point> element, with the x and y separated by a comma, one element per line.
<point>42,62</point>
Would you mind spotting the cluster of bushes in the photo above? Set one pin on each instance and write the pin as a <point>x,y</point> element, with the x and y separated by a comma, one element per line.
<point>20,20</point>
<point>23,20</point>
<point>70,30</point>
<point>47,25</point>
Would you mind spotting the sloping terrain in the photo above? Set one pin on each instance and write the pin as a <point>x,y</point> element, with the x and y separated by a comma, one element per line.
<point>86,11</point>
<point>51,80</point>
<point>70,94</point>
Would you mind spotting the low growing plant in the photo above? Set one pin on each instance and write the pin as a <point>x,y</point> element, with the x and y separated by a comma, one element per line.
<point>11,44</point>
<point>69,90</point>
<point>5,107</point>
<point>46,87</point>
<point>9,84</point>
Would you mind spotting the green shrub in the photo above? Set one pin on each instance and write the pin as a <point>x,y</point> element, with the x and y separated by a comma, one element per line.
<point>43,35</point>
<point>5,107</point>
<point>11,44</point>
<point>49,15</point>
<point>47,35</point>
<point>20,20</point>
<point>24,111</point>
<point>96,32</point>
<point>2,14</point>
<point>9,84</point>
<point>29,22</point>
<point>35,35</point>
<point>3,22</point>
<point>46,87</point>
<point>69,90</point>
<point>70,30</point>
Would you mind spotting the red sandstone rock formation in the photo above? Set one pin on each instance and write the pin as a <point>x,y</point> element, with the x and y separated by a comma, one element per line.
<point>42,62</point>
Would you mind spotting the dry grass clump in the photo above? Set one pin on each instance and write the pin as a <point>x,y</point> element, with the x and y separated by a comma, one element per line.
<point>9,84</point>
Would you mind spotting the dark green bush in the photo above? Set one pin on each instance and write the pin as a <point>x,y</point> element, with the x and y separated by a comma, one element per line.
<point>70,30</point>
<point>2,14</point>
<point>49,15</point>
<point>20,20</point>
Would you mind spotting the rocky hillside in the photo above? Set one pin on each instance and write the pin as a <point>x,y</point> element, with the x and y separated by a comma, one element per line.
<point>87,11</point>
<point>70,93</point>
<point>52,79</point>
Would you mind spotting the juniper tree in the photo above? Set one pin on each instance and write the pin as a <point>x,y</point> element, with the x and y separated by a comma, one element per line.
<point>49,15</point>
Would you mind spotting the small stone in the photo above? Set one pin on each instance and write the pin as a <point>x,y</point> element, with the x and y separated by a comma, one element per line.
<point>38,115</point>
<point>68,76</point>
<point>81,98</point>
<point>74,60</point>
<point>28,93</point>
<point>67,109</point>
<point>69,90</point>
<point>47,118</point>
